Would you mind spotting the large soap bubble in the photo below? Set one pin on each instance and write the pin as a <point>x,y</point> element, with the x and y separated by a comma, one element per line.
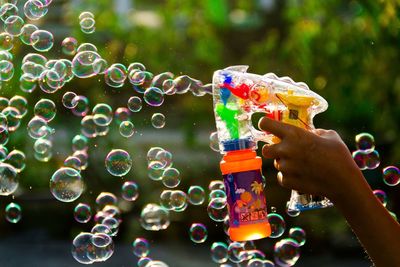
<point>8,179</point>
<point>118,162</point>
<point>66,184</point>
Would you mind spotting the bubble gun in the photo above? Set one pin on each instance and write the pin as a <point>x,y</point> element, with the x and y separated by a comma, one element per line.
<point>236,96</point>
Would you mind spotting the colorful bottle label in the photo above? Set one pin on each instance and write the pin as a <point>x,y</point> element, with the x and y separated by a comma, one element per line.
<point>245,197</point>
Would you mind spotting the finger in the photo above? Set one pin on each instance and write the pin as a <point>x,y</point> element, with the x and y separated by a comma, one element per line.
<point>286,180</point>
<point>277,128</point>
<point>271,151</point>
<point>276,164</point>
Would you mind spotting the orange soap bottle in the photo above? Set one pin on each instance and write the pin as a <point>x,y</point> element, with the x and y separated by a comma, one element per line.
<point>244,186</point>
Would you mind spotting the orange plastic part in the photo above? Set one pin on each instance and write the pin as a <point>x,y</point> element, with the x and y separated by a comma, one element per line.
<point>241,161</point>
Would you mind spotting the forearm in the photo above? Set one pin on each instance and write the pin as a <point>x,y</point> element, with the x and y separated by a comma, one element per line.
<point>378,232</point>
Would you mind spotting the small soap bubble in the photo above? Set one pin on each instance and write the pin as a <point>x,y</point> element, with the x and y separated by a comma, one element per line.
<point>217,209</point>
<point>118,162</point>
<point>35,9</point>
<point>135,104</point>
<point>102,114</point>
<point>216,185</point>
<point>360,157</point>
<point>27,83</point>
<point>80,105</point>
<point>164,157</point>
<point>219,252</point>
<point>178,200</point>
<point>6,41</point>
<point>16,158</point>
<point>88,127</point>
<point>80,143</point>
<point>7,10</point>
<point>42,40</point>
<point>198,232</point>
<point>4,135</point>
<point>104,199</point>
<point>127,129</point>
<point>153,96</point>
<point>165,199</point>
<point>171,177</point>
<point>66,184</point>
<point>69,46</point>
<point>13,118</point>
<point>217,193</point>
<point>8,179</point>
<point>83,64</point>
<point>298,234</point>
<point>26,32</point>
<point>381,195</point>
<point>286,252</point>
<point>130,191</point>
<point>87,25</point>
<point>13,25</point>
<point>46,109</point>
<point>103,247</point>
<point>372,160</point>
<point>115,75</point>
<point>158,120</point>
<point>73,162</point>
<point>112,223</point>
<point>214,143</point>
<point>82,213</point>
<point>20,103</point>
<point>196,195</point>
<point>234,251</point>
<point>42,146</point>
<point>101,228</point>
<point>140,247</point>
<point>277,224</point>
<point>81,245</point>
<point>13,212</point>
<point>365,142</point>
<point>142,262</point>
<point>391,175</point>
<point>67,100</point>
<point>155,171</point>
<point>154,218</point>
<point>6,70</point>
<point>292,212</point>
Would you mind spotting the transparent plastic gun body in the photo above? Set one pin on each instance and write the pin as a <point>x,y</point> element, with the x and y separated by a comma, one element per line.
<point>237,95</point>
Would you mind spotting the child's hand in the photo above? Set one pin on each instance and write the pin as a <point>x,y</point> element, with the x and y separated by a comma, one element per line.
<point>316,162</point>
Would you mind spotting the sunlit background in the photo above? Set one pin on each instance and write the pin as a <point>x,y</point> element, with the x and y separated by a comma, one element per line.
<point>346,51</point>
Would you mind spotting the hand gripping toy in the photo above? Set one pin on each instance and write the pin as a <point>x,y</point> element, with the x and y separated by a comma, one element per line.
<point>236,96</point>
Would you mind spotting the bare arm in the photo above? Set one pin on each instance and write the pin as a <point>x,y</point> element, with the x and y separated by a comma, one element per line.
<point>320,163</point>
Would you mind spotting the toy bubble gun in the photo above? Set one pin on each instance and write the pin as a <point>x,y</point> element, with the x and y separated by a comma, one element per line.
<point>236,96</point>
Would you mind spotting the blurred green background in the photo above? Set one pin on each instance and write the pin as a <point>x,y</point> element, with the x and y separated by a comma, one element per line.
<point>346,51</point>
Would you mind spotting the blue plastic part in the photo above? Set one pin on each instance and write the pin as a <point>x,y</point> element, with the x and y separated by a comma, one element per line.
<point>225,94</point>
<point>238,144</point>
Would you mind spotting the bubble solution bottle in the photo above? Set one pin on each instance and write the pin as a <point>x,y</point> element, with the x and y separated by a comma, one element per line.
<point>241,169</point>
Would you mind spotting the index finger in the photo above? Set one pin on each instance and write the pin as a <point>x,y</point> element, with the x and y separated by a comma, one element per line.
<point>277,128</point>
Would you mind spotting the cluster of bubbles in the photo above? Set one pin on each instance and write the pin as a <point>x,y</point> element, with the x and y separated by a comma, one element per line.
<point>217,207</point>
<point>87,22</point>
<point>141,249</point>
<point>159,165</point>
<point>366,156</point>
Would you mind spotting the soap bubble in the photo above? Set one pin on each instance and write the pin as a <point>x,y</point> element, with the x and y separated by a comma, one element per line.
<point>13,212</point>
<point>8,179</point>
<point>178,200</point>
<point>118,162</point>
<point>360,157</point>
<point>135,104</point>
<point>140,247</point>
<point>13,25</point>
<point>79,143</point>
<point>50,81</point>
<point>121,114</point>
<point>292,212</point>
<point>66,184</point>
<point>13,118</point>
<point>4,135</point>
<point>83,157</point>
<point>101,228</point>
<point>26,32</point>
<point>217,209</point>
<point>83,64</point>
<point>372,160</point>
<point>277,224</point>
<point>7,10</point>
<point>112,223</point>
<point>82,213</point>
<point>73,162</point>
<point>126,129</point>
<point>158,120</point>
<point>46,109</point>
<point>6,70</point>
<point>103,247</point>
<point>115,75</point>
<point>218,193</point>
<point>81,245</point>
<point>171,177</point>
<point>67,100</point>
<point>381,195</point>
<point>16,158</point>
<point>85,14</point>
<point>20,103</point>
<point>163,158</point>
<point>196,195</point>
<point>86,47</point>
<point>6,41</point>
<point>142,262</point>
<point>35,9</point>
<point>234,251</point>
<point>165,199</point>
<point>298,234</point>
<point>198,233</point>
<point>80,105</point>
<point>155,171</point>
<point>286,252</point>
<point>154,96</point>
<point>88,127</point>
<point>87,25</point>
<point>102,114</point>
<point>216,185</point>
<point>391,175</point>
<point>42,40</point>
<point>154,218</point>
<point>104,199</point>
<point>38,128</point>
<point>27,83</point>
<point>219,252</point>
<point>365,142</point>
<point>130,191</point>
<point>69,46</point>
<point>214,143</point>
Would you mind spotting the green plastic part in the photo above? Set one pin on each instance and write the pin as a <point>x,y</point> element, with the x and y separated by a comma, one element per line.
<point>228,116</point>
